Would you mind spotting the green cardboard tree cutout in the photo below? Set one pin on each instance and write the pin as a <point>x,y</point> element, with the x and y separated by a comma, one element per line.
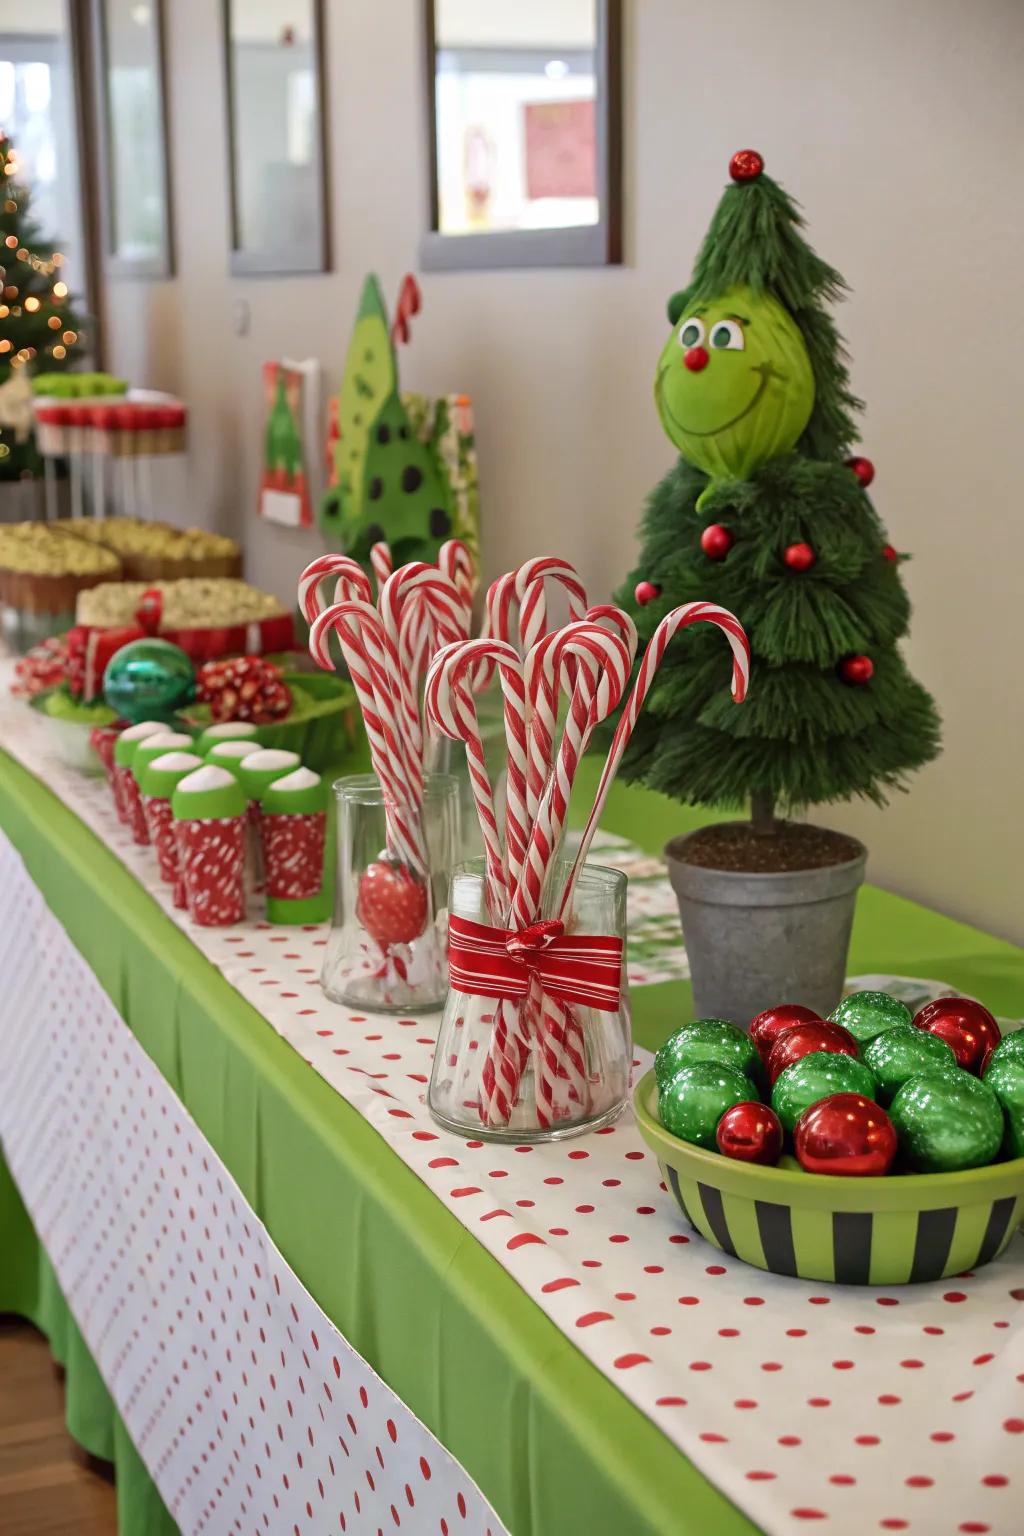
<point>764,515</point>
<point>391,477</point>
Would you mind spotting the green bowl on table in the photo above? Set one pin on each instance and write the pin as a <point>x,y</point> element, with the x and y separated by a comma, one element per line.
<point>894,1230</point>
<point>323,727</point>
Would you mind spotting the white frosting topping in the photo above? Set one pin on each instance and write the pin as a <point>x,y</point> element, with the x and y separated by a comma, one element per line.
<point>169,740</point>
<point>176,762</point>
<point>207,777</point>
<point>302,778</point>
<point>143,729</point>
<point>229,729</point>
<point>272,757</point>
<point>234,749</point>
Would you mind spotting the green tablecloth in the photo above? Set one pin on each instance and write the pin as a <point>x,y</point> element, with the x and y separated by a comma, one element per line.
<point>439,1319</point>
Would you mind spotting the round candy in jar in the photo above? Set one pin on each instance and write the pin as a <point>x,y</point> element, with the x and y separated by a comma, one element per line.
<point>946,1121</point>
<point>706,1040</point>
<point>815,1077</point>
<point>1005,1076</point>
<point>867,1014</point>
<point>691,1105</point>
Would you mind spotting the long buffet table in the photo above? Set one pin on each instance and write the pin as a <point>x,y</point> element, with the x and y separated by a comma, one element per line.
<point>551,1441</point>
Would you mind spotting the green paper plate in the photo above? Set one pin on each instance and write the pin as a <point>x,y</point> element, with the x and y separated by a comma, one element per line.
<point>890,1231</point>
<point>324,727</point>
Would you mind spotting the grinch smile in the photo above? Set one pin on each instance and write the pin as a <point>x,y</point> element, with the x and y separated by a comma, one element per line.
<point>767,371</point>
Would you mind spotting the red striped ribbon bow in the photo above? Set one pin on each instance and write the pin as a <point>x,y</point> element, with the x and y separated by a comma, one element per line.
<point>499,962</point>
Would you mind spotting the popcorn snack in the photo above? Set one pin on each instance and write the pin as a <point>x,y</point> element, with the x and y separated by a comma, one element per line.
<point>156,551</point>
<point>192,603</point>
<point>43,572</point>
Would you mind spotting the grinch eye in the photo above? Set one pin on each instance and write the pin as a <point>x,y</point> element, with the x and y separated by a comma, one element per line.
<point>691,332</point>
<point>727,335</point>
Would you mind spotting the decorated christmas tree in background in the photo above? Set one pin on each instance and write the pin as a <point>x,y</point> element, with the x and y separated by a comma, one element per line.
<point>767,515</point>
<point>38,326</point>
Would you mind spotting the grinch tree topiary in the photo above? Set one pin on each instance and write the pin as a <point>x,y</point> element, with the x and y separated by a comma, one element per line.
<point>767,515</point>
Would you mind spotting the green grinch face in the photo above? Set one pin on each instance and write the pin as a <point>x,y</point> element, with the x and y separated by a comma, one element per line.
<point>734,386</point>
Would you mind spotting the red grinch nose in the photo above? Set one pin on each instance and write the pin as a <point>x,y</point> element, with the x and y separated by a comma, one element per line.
<point>696,358</point>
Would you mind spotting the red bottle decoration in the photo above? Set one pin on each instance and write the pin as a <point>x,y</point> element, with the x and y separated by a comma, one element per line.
<point>889,552</point>
<point>799,557</point>
<point>966,1026</point>
<point>392,903</point>
<point>645,592</point>
<point>750,1132</point>
<point>716,541</point>
<point>862,468</point>
<point>746,165</point>
<point>802,1039</point>
<point>856,670</point>
<point>845,1134</point>
<point>769,1025</point>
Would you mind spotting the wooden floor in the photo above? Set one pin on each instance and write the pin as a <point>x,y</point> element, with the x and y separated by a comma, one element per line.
<point>48,1487</point>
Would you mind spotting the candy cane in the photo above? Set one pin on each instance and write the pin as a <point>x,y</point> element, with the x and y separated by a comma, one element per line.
<point>421,610</point>
<point>408,305</point>
<point>679,618</point>
<point>381,562</point>
<point>349,573</point>
<point>455,561</point>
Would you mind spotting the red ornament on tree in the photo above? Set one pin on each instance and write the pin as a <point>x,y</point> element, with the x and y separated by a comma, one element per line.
<point>645,592</point>
<point>392,903</point>
<point>802,1039</point>
<point>966,1026</point>
<point>746,165</point>
<point>716,541</point>
<point>856,670</point>
<point>769,1025</point>
<point>799,557</point>
<point>845,1134</point>
<point>889,552</point>
<point>862,468</point>
<point>750,1132</point>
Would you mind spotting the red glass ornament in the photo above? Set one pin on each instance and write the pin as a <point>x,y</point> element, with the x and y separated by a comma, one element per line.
<point>856,670</point>
<point>769,1025</point>
<point>889,552</point>
<point>746,165</point>
<point>802,1039</point>
<point>645,592</point>
<point>799,557</point>
<point>750,1132</point>
<point>716,541</point>
<point>966,1026</point>
<point>696,358</point>
<point>845,1134</point>
<point>862,468</point>
<point>392,903</point>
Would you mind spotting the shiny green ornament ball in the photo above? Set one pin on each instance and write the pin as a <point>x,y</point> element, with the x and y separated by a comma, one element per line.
<point>1010,1047</point>
<point>816,1076</point>
<point>947,1121</point>
<point>148,680</point>
<point>899,1054</point>
<point>697,1097</point>
<point>867,1014</point>
<point>1005,1076</point>
<point>706,1040</point>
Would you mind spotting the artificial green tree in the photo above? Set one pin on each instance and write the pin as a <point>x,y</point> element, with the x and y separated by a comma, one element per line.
<point>39,329</point>
<point>766,514</point>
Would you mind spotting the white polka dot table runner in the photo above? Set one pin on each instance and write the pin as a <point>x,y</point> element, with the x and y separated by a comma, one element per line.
<point>804,1403</point>
<point>248,1407</point>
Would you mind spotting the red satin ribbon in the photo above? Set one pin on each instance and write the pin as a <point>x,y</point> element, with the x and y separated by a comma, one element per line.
<point>499,962</point>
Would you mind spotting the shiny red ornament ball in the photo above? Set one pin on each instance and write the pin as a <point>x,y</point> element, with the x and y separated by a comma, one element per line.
<point>645,592</point>
<point>769,1025</point>
<point>863,469</point>
<point>845,1134</point>
<point>802,1039</point>
<point>746,165</point>
<point>799,557</point>
<point>889,552</point>
<point>391,903</point>
<point>750,1132</point>
<point>716,541</point>
<point>856,670</point>
<point>966,1026</point>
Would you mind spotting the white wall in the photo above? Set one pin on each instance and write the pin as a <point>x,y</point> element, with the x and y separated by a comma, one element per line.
<point>898,127</point>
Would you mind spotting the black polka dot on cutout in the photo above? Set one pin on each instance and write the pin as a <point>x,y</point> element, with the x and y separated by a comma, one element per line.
<point>383,434</point>
<point>403,433</point>
<point>412,478</point>
<point>376,488</point>
<point>375,533</point>
<point>440,522</point>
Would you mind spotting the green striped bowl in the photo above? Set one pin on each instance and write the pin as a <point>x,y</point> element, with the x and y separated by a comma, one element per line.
<point>892,1231</point>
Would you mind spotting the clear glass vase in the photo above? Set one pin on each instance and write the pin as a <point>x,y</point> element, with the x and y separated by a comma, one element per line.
<point>537,1069</point>
<point>388,945</point>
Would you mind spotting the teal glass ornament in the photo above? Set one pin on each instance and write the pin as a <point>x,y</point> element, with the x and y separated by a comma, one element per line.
<point>697,1097</point>
<point>816,1076</point>
<point>148,680</point>
<point>706,1040</point>
<point>867,1014</point>
<point>904,1052</point>
<point>1005,1076</point>
<point>947,1121</point>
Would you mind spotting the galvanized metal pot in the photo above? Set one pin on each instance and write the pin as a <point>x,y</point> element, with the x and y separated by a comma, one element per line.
<point>754,940</point>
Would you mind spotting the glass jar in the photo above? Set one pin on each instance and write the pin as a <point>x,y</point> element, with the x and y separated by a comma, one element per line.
<point>537,1069</point>
<point>388,945</point>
